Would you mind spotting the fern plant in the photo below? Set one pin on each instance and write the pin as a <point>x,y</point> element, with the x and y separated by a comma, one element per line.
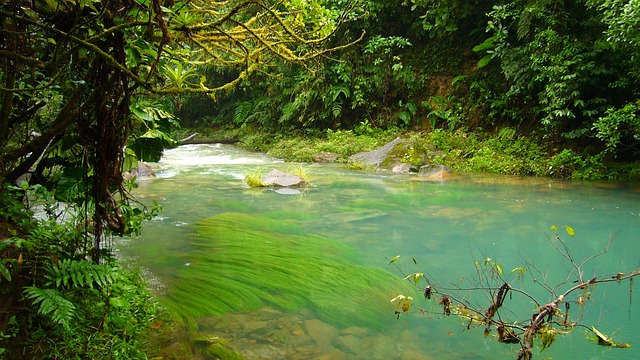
<point>68,275</point>
<point>51,303</point>
<point>76,274</point>
<point>242,112</point>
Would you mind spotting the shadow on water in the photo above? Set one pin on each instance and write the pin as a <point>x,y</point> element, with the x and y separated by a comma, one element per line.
<point>306,276</point>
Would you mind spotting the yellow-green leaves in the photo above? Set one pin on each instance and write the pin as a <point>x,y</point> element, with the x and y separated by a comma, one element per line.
<point>496,268</point>
<point>402,303</point>
<point>415,276</point>
<point>547,336</point>
<point>395,258</point>
<point>568,228</point>
<point>519,271</point>
<point>605,340</point>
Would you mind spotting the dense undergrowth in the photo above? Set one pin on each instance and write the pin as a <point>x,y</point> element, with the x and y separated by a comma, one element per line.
<point>55,303</point>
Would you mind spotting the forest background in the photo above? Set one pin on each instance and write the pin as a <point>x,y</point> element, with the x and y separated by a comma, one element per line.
<point>542,88</point>
<point>90,88</point>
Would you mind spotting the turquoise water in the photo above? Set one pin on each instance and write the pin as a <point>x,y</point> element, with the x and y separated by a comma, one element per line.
<point>446,227</point>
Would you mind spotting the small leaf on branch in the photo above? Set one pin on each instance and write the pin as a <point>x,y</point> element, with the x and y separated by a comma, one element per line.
<point>395,258</point>
<point>498,268</point>
<point>605,340</point>
<point>570,230</point>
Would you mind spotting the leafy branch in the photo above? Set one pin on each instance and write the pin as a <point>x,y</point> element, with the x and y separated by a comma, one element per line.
<point>484,300</point>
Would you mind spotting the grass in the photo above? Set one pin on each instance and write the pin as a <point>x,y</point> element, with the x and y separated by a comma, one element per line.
<point>254,179</point>
<point>299,171</point>
<point>303,148</point>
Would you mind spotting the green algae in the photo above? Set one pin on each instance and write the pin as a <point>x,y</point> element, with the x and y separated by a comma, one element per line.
<point>244,262</point>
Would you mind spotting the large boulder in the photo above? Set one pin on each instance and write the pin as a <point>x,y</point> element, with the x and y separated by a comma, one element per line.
<point>277,178</point>
<point>376,157</point>
<point>399,156</point>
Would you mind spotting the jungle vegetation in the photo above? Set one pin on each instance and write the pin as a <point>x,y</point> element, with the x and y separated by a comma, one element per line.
<point>546,88</point>
<point>88,88</point>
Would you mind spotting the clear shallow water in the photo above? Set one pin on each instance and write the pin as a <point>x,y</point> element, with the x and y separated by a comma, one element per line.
<point>444,226</point>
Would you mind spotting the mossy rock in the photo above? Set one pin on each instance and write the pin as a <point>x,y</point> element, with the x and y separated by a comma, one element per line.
<point>399,155</point>
<point>244,262</point>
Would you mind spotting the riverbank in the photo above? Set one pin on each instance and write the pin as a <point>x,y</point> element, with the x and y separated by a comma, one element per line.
<point>504,152</point>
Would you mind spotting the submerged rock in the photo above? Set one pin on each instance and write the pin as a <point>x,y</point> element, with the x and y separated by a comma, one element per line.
<point>434,172</point>
<point>287,191</point>
<point>322,333</point>
<point>350,344</point>
<point>324,157</point>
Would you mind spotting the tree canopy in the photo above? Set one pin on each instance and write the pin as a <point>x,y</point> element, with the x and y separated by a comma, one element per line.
<point>86,83</point>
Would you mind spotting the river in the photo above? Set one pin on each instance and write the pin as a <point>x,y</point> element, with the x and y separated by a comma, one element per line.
<point>288,275</point>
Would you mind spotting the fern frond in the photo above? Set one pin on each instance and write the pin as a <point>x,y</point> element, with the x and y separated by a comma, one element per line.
<point>340,89</point>
<point>51,304</point>
<point>78,273</point>
<point>336,109</point>
<point>242,112</point>
<point>288,110</point>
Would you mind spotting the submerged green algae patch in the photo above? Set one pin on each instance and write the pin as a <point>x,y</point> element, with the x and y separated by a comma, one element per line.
<point>244,262</point>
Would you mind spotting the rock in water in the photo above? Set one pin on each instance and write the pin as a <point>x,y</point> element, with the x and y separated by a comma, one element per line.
<point>281,179</point>
<point>434,172</point>
<point>143,171</point>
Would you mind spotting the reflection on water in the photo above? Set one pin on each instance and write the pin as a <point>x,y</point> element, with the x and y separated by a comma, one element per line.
<point>444,226</point>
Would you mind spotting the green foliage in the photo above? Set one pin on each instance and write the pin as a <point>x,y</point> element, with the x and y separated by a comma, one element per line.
<point>299,171</point>
<point>622,19</point>
<point>343,143</point>
<point>76,274</point>
<point>4,271</point>
<point>52,304</point>
<point>407,112</point>
<point>178,74</point>
<point>569,164</point>
<point>154,123</point>
<point>445,110</point>
<point>12,208</point>
<point>619,128</point>
<point>73,308</point>
<point>254,179</point>
<point>97,307</point>
<point>443,18</point>
<point>503,153</point>
<point>552,60</point>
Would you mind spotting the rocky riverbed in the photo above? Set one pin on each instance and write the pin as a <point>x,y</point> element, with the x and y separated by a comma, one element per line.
<point>270,334</point>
